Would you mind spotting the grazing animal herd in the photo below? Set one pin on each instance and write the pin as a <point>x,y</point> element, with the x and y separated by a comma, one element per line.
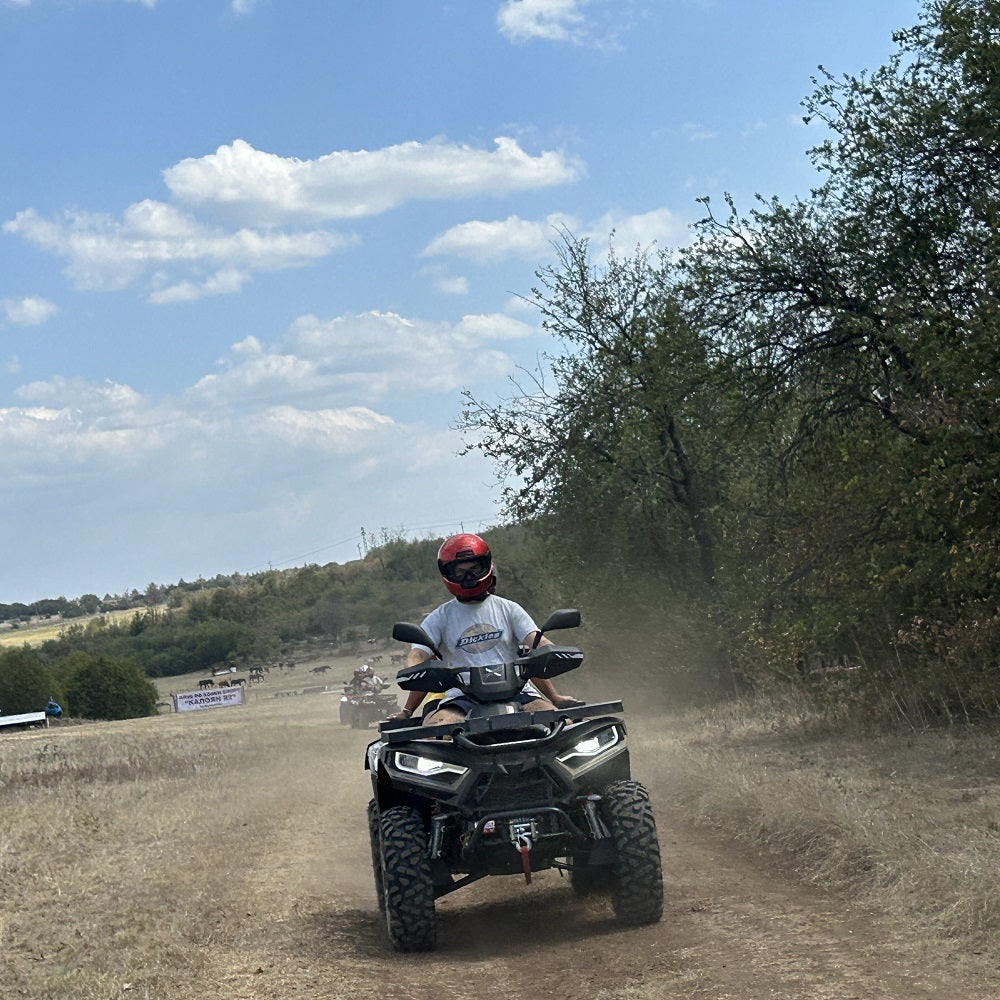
<point>225,677</point>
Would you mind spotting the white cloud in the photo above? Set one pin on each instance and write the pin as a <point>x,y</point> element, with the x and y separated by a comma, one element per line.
<point>532,240</point>
<point>368,356</point>
<point>492,241</point>
<point>594,23</point>
<point>277,423</point>
<point>223,282</point>
<point>354,183</point>
<point>81,395</point>
<point>550,20</point>
<point>330,430</point>
<point>660,226</point>
<point>105,254</point>
<point>182,257</point>
<point>697,133</point>
<point>452,285</point>
<point>31,311</point>
<point>272,455</point>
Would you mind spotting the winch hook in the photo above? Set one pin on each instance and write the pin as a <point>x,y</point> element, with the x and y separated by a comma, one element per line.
<point>524,848</point>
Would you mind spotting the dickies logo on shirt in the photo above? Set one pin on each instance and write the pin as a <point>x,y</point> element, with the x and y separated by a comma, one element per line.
<point>479,638</point>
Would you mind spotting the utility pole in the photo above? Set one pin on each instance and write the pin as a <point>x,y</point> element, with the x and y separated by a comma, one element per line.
<point>364,543</point>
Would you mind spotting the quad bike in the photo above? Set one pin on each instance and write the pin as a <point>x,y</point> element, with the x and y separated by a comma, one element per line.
<point>506,792</point>
<point>360,708</point>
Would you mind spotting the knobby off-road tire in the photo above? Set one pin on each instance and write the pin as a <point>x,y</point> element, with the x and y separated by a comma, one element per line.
<point>406,881</point>
<point>345,713</point>
<point>373,834</point>
<point>637,876</point>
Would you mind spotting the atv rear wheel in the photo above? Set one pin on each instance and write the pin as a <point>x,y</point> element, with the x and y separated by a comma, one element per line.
<point>345,713</point>
<point>637,876</point>
<point>374,836</point>
<point>406,878</point>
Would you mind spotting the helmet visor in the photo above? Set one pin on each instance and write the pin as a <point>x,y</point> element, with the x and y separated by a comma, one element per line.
<point>466,571</point>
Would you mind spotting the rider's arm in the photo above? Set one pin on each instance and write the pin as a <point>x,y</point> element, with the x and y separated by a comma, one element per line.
<point>545,687</point>
<point>414,698</point>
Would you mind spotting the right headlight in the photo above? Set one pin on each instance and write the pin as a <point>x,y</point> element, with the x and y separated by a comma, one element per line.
<point>590,747</point>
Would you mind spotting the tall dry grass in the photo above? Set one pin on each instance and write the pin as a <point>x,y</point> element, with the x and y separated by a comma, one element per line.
<point>907,822</point>
<point>128,850</point>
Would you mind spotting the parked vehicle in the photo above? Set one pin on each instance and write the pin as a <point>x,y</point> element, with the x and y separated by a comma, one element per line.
<point>506,792</point>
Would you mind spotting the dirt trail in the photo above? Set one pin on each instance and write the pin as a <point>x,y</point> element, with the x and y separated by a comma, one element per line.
<point>306,924</point>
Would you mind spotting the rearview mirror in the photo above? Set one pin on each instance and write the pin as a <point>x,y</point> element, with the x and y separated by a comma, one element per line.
<point>407,632</point>
<point>564,618</point>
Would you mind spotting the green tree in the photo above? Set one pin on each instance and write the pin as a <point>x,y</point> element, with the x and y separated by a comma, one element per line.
<point>104,687</point>
<point>619,450</point>
<point>90,604</point>
<point>864,319</point>
<point>611,439</point>
<point>26,684</point>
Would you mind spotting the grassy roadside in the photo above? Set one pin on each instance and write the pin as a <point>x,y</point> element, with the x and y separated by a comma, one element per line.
<point>907,823</point>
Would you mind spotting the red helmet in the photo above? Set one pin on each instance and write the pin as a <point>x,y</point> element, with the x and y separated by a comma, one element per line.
<point>466,565</point>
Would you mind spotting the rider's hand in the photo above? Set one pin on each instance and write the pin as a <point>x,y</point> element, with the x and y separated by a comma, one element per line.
<point>566,701</point>
<point>401,714</point>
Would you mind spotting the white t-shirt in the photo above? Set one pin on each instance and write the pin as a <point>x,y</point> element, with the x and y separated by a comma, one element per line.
<point>476,633</point>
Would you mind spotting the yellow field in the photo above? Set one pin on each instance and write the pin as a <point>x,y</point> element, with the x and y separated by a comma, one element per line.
<point>35,633</point>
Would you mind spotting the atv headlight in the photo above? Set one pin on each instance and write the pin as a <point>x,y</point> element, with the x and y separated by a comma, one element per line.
<point>592,746</point>
<point>426,767</point>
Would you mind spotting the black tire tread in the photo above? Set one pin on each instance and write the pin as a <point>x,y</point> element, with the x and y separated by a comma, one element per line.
<point>407,884</point>
<point>637,877</point>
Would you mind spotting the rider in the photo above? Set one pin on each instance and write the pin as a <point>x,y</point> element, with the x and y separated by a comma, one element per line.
<point>365,679</point>
<point>476,627</point>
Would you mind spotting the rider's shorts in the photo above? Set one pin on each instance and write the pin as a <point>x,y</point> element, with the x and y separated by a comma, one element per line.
<point>466,705</point>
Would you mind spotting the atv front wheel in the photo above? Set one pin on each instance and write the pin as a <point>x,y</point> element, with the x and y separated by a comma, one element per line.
<point>407,885</point>
<point>373,835</point>
<point>637,877</point>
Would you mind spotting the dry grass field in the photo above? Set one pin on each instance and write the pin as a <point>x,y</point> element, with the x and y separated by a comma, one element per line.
<point>224,853</point>
<point>36,632</point>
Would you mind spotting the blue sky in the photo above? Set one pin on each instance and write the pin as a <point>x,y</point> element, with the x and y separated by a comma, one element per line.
<point>252,251</point>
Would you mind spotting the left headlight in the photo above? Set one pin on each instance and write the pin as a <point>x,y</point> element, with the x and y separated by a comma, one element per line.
<point>426,767</point>
<point>591,747</point>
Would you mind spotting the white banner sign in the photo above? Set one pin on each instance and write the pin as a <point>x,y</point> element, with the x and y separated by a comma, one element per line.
<point>192,701</point>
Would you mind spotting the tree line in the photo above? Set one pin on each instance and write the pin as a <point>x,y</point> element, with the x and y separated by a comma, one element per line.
<point>101,667</point>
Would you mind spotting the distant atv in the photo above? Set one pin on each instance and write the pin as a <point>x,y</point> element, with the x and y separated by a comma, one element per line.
<point>359,708</point>
<point>506,792</point>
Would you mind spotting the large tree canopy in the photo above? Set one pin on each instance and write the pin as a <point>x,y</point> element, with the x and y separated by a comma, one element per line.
<point>800,410</point>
